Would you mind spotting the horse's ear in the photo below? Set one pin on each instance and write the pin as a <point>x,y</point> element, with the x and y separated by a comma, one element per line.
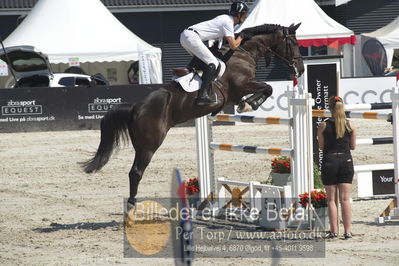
<point>294,28</point>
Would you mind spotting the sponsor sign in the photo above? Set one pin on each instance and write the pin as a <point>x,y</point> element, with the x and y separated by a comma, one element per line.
<point>352,91</point>
<point>367,90</point>
<point>103,105</point>
<point>144,68</point>
<point>67,108</point>
<point>28,107</point>
<point>383,182</point>
<point>23,111</point>
<point>322,84</point>
<point>74,61</point>
<point>375,55</point>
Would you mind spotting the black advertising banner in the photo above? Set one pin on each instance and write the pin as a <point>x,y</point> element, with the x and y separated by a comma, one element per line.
<point>30,108</point>
<point>383,182</point>
<point>322,83</point>
<point>374,53</point>
<point>64,108</point>
<point>89,106</point>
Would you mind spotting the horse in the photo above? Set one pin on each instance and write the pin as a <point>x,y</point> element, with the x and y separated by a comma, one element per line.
<point>147,123</point>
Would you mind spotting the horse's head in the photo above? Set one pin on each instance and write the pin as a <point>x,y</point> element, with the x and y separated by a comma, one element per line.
<point>288,49</point>
<point>278,40</point>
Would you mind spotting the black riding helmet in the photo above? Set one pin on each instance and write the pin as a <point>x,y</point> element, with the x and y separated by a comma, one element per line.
<point>238,7</point>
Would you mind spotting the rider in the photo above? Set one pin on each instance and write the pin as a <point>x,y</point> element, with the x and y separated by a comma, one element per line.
<point>221,26</point>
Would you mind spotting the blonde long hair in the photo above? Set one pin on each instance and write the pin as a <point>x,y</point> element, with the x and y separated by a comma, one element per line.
<point>336,106</point>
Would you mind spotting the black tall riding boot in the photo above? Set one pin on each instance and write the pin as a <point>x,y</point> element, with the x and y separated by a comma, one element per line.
<point>196,63</point>
<point>208,76</point>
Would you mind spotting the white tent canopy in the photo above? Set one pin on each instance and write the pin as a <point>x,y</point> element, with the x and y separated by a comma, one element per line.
<point>86,30</point>
<point>317,27</point>
<point>341,2</point>
<point>389,37</point>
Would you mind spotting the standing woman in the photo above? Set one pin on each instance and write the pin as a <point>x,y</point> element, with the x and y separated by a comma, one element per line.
<point>337,137</point>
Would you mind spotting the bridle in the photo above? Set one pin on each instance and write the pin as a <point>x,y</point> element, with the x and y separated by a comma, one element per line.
<point>288,51</point>
<point>291,62</point>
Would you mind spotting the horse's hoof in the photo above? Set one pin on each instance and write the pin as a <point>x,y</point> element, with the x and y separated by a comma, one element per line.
<point>243,107</point>
<point>131,203</point>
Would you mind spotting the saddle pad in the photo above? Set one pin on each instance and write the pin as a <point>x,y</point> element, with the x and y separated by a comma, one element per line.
<point>190,82</point>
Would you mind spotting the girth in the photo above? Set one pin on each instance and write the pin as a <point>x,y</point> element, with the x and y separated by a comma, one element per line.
<point>220,91</point>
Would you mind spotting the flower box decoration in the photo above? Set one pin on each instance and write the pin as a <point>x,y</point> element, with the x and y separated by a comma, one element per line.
<point>281,170</point>
<point>318,199</point>
<point>319,203</point>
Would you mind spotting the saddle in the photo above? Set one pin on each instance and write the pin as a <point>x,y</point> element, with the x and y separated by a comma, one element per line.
<point>180,71</point>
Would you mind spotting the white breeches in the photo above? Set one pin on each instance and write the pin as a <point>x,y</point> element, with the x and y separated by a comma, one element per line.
<point>194,45</point>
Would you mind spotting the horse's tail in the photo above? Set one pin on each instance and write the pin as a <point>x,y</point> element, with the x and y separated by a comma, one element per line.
<point>114,126</point>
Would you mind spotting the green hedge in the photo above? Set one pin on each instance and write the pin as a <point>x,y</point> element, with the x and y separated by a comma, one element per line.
<point>317,177</point>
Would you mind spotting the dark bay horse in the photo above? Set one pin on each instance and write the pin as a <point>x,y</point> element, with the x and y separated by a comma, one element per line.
<point>148,123</point>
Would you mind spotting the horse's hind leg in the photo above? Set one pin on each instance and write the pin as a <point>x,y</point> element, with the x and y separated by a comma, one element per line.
<point>141,161</point>
<point>145,148</point>
<point>147,133</point>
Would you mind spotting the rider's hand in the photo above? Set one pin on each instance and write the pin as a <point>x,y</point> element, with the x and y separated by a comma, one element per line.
<point>234,43</point>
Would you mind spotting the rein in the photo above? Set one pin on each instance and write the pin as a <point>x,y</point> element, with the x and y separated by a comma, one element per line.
<point>247,53</point>
<point>279,56</point>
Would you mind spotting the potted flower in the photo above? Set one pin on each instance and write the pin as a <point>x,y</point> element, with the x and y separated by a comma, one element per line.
<point>319,202</point>
<point>192,190</point>
<point>318,199</point>
<point>281,170</point>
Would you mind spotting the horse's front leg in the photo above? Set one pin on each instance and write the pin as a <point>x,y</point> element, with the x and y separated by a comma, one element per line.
<point>260,90</point>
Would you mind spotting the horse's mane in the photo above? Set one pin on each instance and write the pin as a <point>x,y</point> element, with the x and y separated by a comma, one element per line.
<point>248,33</point>
<point>262,29</point>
